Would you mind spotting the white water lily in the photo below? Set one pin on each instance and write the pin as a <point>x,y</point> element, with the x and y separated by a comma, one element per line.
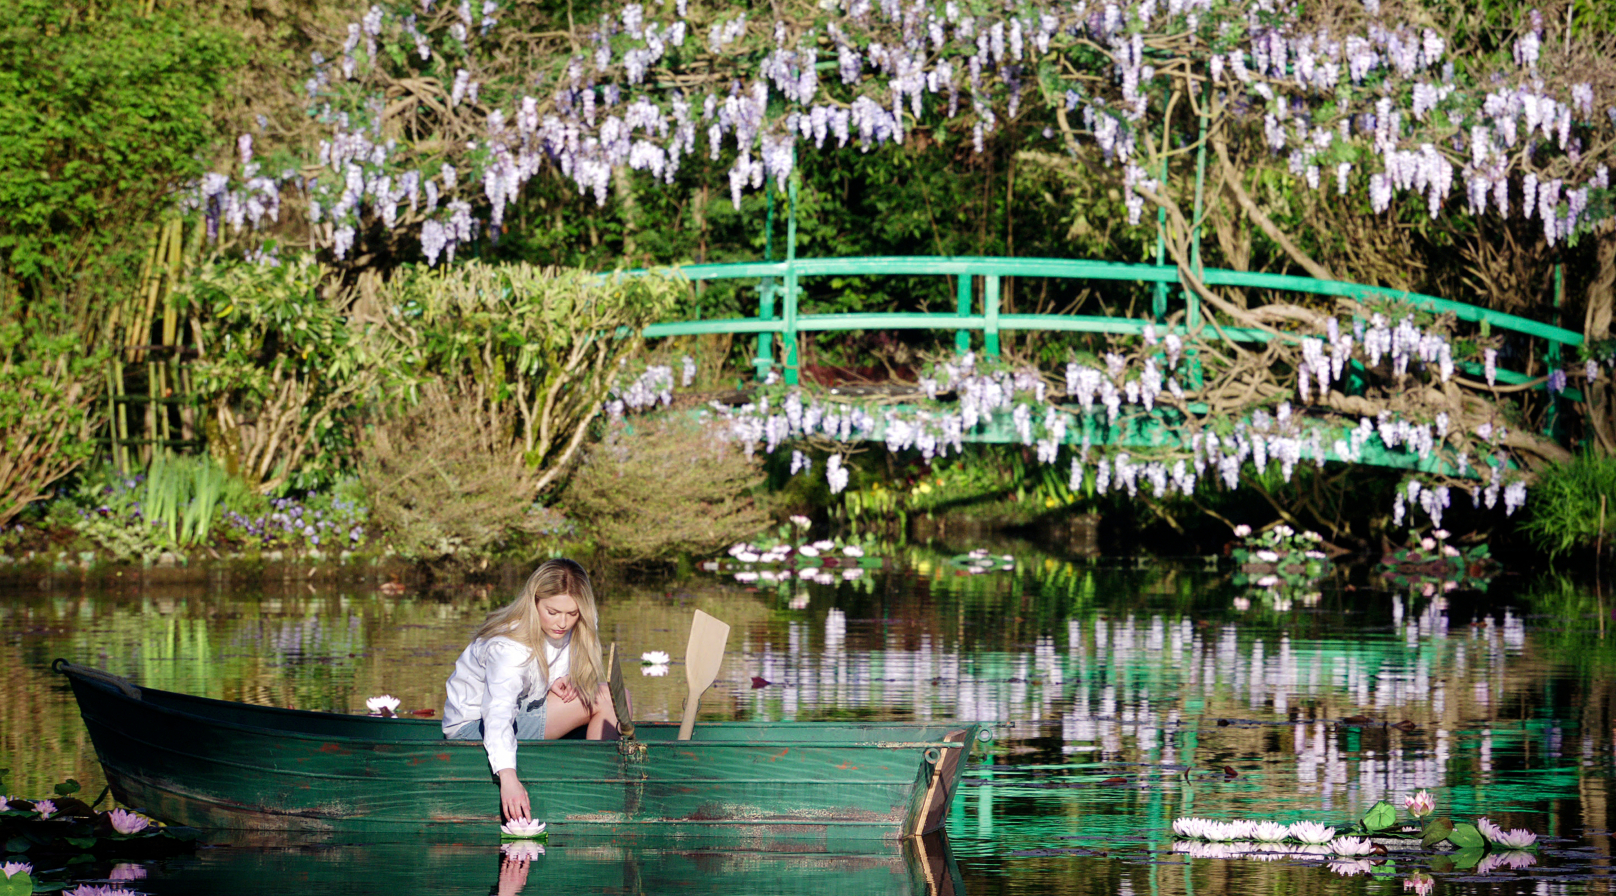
<point>852,550</point>
<point>522,850</point>
<point>808,550</point>
<point>655,658</point>
<point>385,701</point>
<point>747,557</point>
<point>1351,847</point>
<point>522,827</point>
<point>739,548</point>
<point>1271,831</point>
<point>1312,832</point>
<point>657,671</point>
<point>746,576</point>
<point>823,545</point>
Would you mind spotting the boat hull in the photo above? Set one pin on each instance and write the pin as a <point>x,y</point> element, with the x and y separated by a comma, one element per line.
<point>221,765</point>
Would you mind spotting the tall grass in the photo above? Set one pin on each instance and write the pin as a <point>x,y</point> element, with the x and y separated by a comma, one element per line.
<point>183,496</point>
<point>1573,505</point>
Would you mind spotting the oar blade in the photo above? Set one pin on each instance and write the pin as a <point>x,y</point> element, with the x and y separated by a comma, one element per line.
<point>703,655</point>
<point>615,686</point>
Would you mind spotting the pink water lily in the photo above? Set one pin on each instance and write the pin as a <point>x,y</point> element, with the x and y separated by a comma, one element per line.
<point>125,822</point>
<point>1420,883</point>
<point>10,869</point>
<point>90,890</point>
<point>1517,838</point>
<point>1420,804</point>
<point>45,808</point>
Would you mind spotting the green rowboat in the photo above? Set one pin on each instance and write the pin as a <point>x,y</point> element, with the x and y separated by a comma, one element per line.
<point>216,764</point>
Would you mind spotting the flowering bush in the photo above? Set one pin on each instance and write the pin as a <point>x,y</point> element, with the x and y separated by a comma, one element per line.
<point>1431,564</point>
<point>1280,564</point>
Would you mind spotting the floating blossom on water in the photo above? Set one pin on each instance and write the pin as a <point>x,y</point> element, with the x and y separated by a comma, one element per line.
<point>45,808</point>
<point>1270,832</point>
<point>1419,883</point>
<point>1356,866</point>
<point>658,670</point>
<point>90,890</point>
<point>655,658</point>
<point>1312,832</point>
<point>1420,804</point>
<point>852,550</point>
<point>13,868</point>
<point>1351,846</point>
<point>128,822</point>
<point>386,704</point>
<point>525,828</point>
<point>1517,838</point>
<point>127,871</point>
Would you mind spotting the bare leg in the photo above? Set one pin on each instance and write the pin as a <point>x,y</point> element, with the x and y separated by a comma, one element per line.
<point>560,717</point>
<point>604,715</point>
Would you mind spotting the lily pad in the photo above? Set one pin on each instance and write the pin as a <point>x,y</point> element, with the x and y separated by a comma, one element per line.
<point>18,884</point>
<point>1436,830</point>
<point>1465,836</point>
<point>1379,817</point>
<point>1467,858</point>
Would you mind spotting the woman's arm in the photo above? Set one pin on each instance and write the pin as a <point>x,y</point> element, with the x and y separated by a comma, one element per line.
<point>504,675</point>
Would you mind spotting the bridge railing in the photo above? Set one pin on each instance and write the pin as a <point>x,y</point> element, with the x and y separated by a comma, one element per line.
<point>783,279</point>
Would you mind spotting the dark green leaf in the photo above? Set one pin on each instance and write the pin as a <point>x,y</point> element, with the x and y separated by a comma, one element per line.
<point>67,787</point>
<point>80,842</point>
<point>1436,830</point>
<point>18,844</point>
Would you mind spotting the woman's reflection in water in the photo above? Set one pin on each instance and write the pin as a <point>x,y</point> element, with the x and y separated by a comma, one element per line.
<point>514,858</point>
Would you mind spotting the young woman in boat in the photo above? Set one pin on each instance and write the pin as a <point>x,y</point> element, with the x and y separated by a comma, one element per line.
<point>533,671</point>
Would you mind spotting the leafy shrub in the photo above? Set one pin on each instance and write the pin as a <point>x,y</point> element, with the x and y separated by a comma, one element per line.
<point>1573,504</point>
<point>666,486</point>
<point>446,479</point>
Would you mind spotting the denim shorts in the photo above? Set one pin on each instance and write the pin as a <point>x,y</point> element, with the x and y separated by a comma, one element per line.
<point>529,724</point>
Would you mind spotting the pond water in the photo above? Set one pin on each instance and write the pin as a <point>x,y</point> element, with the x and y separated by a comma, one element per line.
<point>1123,694</point>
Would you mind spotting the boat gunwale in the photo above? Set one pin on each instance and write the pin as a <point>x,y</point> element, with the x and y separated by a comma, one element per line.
<point>283,734</point>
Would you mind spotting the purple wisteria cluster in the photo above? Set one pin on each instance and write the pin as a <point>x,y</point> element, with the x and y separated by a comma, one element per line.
<point>295,524</point>
<point>1379,104</point>
<point>1101,421</point>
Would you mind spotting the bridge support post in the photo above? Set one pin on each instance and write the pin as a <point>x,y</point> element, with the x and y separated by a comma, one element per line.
<point>990,310</point>
<point>962,338</point>
<point>765,341</point>
<point>789,335</point>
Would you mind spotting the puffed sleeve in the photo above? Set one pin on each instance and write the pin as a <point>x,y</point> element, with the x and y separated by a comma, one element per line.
<point>505,677</point>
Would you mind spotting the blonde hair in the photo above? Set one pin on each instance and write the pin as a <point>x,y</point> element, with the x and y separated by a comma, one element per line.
<point>519,621</point>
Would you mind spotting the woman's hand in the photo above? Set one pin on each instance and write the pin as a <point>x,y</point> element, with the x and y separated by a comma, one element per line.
<point>564,688</point>
<point>513,796</point>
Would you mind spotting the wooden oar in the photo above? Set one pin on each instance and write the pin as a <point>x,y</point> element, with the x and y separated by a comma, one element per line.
<point>619,694</point>
<point>703,655</point>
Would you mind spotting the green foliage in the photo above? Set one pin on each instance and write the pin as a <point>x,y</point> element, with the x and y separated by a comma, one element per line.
<point>1465,836</point>
<point>1379,817</point>
<point>1436,831</point>
<point>283,369</point>
<point>535,347</point>
<point>665,487</point>
<point>445,480</point>
<point>1573,504</point>
<point>105,109</point>
<point>174,503</point>
<point>48,384</point>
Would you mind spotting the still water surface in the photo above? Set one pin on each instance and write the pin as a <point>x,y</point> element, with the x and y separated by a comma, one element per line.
<point>1123,696</point>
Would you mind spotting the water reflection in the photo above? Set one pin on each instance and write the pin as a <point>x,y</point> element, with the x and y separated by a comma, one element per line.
<point>245,867</point>
<point>1123,697</point>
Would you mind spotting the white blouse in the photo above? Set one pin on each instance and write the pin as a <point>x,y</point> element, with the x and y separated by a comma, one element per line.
<point>492,679</point>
